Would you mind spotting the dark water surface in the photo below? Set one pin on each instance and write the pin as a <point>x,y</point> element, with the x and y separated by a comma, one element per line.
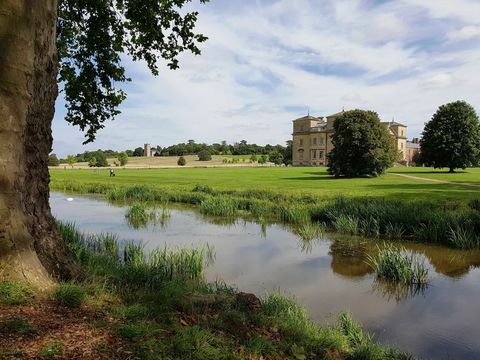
<point>327,276</point>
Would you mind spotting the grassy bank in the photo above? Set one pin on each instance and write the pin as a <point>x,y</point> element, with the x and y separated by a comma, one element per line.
<point>438,219</point>
<point>160,307</point>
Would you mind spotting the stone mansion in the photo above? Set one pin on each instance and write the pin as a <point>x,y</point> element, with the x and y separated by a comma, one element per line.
<point>312,139</point>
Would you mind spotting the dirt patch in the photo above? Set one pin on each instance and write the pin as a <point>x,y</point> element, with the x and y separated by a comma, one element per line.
<point>47,330</point>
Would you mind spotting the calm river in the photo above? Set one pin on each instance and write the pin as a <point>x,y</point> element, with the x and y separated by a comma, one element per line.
<point>327,276</point>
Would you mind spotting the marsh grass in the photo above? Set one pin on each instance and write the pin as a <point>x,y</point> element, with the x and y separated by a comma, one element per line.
<point>394,231</point>
<point>420,220</point>
<point>219,206</point>
<point>463,238</point>
<point>128,264</point>
<point>347,224</point>
<point>399,266</point>
<point>305,337</point>
<point>308,231</point>
<point>474,204</point>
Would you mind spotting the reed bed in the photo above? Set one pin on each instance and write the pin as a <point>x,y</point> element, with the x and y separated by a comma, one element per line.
<point>128,265</point>
<point>392,219</point>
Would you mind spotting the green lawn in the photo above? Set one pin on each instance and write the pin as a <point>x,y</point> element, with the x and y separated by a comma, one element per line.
<point>290,180</point>
<point>471,176</point>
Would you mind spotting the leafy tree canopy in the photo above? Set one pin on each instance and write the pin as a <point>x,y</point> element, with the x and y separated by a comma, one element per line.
<point>94,35</point>
<point>71,160</point>
<point>362,145</point>
<point>181,161</point>
<point>138,151</point>
<point>53,160</point>
<point>204,155</point>
<point>276,158</point>
<point>123,158</point>
<point>452,138</point>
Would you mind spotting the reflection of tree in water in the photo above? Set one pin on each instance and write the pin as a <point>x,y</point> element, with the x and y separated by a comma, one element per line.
<point>349,258</point>
<point>398,292</point>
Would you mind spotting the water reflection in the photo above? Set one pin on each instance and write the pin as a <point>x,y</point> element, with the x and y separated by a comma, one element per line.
<point>328,274</point>
<point>398,292</point>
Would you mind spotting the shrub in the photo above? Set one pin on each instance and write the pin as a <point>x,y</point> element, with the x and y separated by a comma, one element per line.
<point>70,295</point>
<point>181,161</point>
<point>204,155</point>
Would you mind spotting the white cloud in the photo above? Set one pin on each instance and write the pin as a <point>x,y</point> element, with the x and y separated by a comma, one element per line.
<point>266,63</point>
<point>464,33</point>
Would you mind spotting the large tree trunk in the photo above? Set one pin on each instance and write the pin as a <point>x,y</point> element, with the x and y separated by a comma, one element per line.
<point>30,247</point>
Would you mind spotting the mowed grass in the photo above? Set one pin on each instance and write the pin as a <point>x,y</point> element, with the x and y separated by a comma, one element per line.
<point>470,176</point>
<point>298,180</point>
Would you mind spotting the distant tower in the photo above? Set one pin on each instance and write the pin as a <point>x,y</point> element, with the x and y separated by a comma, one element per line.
<point>147,150</point>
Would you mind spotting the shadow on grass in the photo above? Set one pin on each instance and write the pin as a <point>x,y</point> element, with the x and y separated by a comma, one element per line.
<point>324,176</point>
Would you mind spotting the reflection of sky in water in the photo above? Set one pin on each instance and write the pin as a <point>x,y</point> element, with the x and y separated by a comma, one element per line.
<point>442,322</point>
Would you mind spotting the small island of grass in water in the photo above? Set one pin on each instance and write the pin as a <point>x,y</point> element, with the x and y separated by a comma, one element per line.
<point>397,265</point>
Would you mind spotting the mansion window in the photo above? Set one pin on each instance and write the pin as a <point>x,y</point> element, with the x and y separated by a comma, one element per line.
<point>314,141</point>
<point>300,154</point>
<point>301,128</point>
<point>301,142</point>
<point>320,154</point>
<point>320,141</point>
<point>314,154</point>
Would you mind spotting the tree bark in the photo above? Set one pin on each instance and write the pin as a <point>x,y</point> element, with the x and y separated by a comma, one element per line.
<point>30,247</point>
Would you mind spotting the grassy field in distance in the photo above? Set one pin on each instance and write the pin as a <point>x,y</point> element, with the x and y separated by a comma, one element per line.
<point>313,180</point>
<point>142,162</point>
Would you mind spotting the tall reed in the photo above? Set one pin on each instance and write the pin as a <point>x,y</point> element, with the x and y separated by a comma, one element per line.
<point>131,267</point>
<point>399,266</point>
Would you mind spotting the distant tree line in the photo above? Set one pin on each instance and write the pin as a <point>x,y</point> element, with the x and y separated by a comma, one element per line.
<point>277,154</point>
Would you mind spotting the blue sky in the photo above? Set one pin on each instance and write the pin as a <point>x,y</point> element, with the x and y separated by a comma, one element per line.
<point>268,61</point>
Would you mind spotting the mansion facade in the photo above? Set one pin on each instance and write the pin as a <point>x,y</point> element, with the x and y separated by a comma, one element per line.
<point>312,139</point>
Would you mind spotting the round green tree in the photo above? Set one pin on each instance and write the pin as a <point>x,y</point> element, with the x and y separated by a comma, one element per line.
<point>276,158</point>
<point>362,145</point>
<point>123,158</point>
<point>181,161</point>
<point>53,160</point>
<point>71,160</point>
<point>452,138</point>
<point>204,155</point>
